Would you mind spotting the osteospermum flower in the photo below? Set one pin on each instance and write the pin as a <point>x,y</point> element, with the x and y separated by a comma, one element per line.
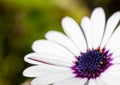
<point>87,55</point>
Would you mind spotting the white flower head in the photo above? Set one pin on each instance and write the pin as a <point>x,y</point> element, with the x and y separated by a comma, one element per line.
<point>87,55</point>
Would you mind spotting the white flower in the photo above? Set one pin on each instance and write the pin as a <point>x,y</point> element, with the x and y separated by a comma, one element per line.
<point>86,55</point>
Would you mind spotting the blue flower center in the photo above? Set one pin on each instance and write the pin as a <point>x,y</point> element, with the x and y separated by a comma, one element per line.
<point>92,63</point>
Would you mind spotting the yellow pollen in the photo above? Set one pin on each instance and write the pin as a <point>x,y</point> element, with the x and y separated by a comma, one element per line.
<point>101,62</point>
<point>97,48</point>
<point>74,62</point>
<point>101,51</point>
<point>88,49</point>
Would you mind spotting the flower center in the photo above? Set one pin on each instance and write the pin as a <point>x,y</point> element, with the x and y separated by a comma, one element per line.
<point>92,63</point>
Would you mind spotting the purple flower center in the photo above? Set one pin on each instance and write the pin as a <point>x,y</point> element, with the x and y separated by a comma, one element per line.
<point>92,63</point>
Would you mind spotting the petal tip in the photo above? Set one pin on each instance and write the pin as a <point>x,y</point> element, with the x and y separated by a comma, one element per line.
<point>67,18</point>
<point>24,73</point>
<point>99,8</point>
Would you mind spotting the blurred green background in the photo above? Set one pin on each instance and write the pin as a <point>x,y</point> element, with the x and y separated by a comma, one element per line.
<point>24,21</point>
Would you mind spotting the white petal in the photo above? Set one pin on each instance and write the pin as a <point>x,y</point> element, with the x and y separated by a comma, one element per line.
<point>92,82</point>
<point>51,78</point>
<point>116,60</point>
<point>98,25</point>
<point>99,81</point>
<point>114,42</point>
<point>72,81</point>
<point>109,80</point>
<point>110,26</point>
<point>38,58</point>
<point>36,71</point>
<point>113,71</point>
<point>116,53</point>
<point>33,71</point>
<point>111,75</point>
<point>44,46</point>
<point>62,40</point>
<point>73,31</point>
<point>86,26</point>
